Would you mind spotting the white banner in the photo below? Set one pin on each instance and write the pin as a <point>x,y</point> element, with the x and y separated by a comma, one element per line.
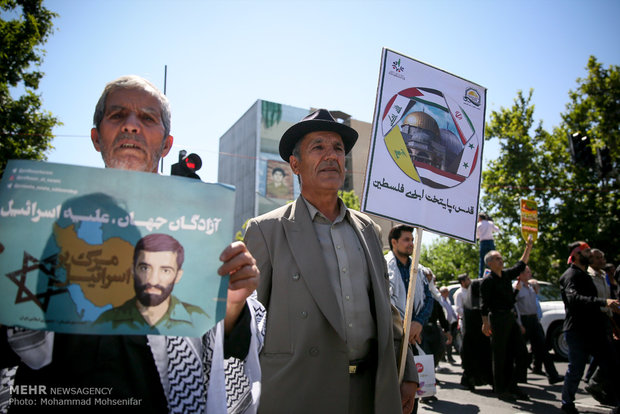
<point>425,161</point>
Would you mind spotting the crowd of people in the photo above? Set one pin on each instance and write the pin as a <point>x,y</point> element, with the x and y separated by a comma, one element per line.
<point>496,316</point>
<point>314,313</point>
<point>504,307</point>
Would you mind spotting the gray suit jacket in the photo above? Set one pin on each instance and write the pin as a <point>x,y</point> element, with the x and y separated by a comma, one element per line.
<point>304,361</point>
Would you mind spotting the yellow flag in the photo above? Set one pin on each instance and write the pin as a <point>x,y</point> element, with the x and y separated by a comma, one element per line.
<point>398,150</point>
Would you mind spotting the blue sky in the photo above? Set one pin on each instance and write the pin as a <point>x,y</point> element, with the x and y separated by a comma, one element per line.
<point>223,55</point>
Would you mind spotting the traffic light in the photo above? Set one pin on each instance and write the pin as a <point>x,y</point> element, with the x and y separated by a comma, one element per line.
<point>187,165</point>
<point>603,160</point>
<point>580,149</point>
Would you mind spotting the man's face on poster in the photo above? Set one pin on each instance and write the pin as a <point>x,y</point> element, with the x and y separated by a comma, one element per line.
<point>155,274</point>
<point>277,177</point>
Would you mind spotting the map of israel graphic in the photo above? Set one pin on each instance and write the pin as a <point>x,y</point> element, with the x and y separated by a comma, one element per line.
<point>96,275</point>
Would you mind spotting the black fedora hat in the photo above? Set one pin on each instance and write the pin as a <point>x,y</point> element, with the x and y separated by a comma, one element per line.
<point>319,120</point>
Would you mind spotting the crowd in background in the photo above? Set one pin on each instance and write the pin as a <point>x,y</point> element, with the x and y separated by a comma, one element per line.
<point>494,323</point>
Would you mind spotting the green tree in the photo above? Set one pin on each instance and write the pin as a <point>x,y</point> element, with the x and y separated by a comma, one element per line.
<point>594,108</point>
<point>350,199</point>
<point>524,169</point>
<point>25,129</point>
<point>574,202</point>
<point>591,210</point>
<point>448,258</point>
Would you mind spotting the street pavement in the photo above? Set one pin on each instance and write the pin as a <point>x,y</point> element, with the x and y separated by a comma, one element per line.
<point>544,398</point>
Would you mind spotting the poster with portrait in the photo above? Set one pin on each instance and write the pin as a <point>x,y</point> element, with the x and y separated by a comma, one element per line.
<point>90,250</point>
<point>424,166</point>
<point>279,183</point>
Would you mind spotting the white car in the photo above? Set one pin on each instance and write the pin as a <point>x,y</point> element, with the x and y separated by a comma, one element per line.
<point>553,315</point>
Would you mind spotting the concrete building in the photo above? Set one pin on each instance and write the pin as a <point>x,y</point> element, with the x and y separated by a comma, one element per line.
<point>249,159</point>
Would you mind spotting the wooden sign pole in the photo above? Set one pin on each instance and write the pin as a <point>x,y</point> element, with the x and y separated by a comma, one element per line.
<point>413,280</point>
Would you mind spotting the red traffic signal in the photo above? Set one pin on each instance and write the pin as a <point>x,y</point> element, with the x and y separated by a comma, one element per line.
<point>193,162</point>
<point>187,165</point>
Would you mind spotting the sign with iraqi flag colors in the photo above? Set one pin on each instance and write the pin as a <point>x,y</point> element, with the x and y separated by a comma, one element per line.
<point>529,219</point>
<point>425,160</point>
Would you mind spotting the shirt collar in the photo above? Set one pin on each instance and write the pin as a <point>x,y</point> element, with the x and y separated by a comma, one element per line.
<point>315,214</point>
<point>574,266</point>
<point>596,273</point>
<point>400,264</point>
<point>495,275</point>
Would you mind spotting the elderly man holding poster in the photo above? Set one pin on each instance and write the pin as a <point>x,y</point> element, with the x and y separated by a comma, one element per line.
<point>152,374</point>
<point>329,343</point>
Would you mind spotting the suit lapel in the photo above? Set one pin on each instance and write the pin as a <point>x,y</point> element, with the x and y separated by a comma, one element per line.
<point>307,253</point>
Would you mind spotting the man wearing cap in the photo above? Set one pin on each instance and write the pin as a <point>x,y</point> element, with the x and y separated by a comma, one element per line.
<point>584,327</point>
<point>329,344</point>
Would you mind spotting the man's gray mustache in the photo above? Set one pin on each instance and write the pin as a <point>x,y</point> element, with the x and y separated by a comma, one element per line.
<point>131,138</point>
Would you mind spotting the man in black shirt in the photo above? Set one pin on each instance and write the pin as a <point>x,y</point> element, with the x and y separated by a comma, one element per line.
<point>584,327</point>
<point>498,321</point>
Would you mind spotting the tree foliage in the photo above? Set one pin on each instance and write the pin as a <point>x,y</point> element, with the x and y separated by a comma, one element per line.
<point>350,200</point>
<point>528,167</point>
<point>574,202</point>
<point>592,211</point>
<point>25,129</point>
<point>594,107</point>
<point>448,258</point>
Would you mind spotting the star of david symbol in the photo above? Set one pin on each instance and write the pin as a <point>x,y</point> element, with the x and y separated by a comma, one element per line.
<point>29,264</point>
<point>465,165</point>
